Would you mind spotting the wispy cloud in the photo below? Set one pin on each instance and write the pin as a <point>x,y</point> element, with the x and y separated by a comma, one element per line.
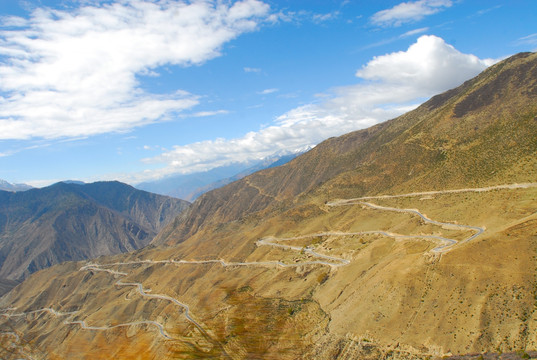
<point>69,73</point>
<point>395,38</point>
<point>484,11</point>
<point>530,40</point>
<point>319,18</point>
<point>208,113</point>
<point>252,70</point>
<point>390,85</point>
<point>293,95</point>
<point>268,91</point>
<point>414,32</point>
<point>308,16</point>
<point>42,182</point>
<point>407,12</point>
<point>33,145</point>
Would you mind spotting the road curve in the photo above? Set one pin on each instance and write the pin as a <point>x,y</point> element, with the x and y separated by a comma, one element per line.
<point>440,192</point>
<point>448,243</point>
<point>49,310</point>
<point>143,292</point>
<point>336,262</point>
<point>84,326</point>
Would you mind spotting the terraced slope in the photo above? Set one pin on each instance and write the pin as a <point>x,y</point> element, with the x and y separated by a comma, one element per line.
<point>415,239</point>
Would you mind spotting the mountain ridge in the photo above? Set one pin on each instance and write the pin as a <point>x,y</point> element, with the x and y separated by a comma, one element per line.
<point>337,162</point>
<point>312,260</point>
<point>41,227</point>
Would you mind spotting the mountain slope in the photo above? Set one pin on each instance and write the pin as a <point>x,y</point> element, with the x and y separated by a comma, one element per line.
<point>42,227</point>
<point>441,144</point>
<point>310,260</point>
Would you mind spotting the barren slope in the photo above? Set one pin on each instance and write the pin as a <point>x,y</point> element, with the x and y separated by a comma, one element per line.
<point>42,227</point>
<point>481,133</point>
<point>308,261</point>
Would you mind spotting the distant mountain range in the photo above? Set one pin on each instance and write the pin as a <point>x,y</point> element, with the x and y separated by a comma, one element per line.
<point>69,221</point>
<point>189,187</point>
<point>6,186</point>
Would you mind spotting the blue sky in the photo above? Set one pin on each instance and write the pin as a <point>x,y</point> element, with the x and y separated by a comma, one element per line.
<point>138,90</point>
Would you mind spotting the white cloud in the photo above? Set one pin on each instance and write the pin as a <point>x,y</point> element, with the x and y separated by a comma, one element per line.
<point>409,12</point>
<point>395,38</point>
<point>484,11</point>
<point>319,18</point>
<point>207,113</point>
<point>302,16</point>
<point>42,183</point>
<point>391,85</point>
<point>530,40</point>
<point>268,91</point>
<point>429,65</point>
<point>73,73</point>
<point>414,32</point>
<point>251,70</point>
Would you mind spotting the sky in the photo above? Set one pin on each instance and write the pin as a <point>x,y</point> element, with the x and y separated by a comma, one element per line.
<point>140,90</point>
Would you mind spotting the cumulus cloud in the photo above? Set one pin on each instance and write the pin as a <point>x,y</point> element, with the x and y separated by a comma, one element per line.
<point>409,12</point>
<point>68,73</point>
<point>429,65</point>
<point>390,85</point>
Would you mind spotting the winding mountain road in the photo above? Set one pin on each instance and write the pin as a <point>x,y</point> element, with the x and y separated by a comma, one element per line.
<point>440,192</point>
<point>144,293</point>
<point>448,243</point>
<point>324,260</point>
<point>49,310</point>
<point>84,326</point>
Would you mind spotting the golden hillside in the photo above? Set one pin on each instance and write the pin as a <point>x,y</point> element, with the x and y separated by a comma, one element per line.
<point>316,260</point>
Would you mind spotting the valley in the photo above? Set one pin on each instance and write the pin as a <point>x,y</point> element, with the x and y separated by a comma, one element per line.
<point>332,250</point>
<point>413,239</point>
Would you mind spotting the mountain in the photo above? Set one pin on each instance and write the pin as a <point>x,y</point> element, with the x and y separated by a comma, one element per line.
<point>475,135</point>
<point>413,239</point>
<point>4,185</point>
<point>69,221</point>
<point>190,187</point>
